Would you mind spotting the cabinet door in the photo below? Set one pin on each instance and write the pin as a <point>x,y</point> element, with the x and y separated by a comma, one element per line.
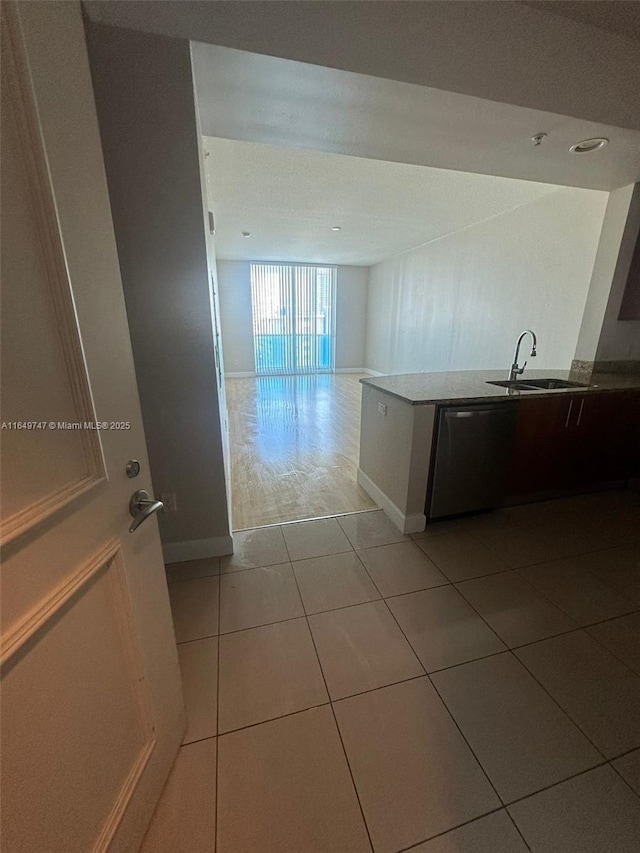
<point>540,451</point>
<point>604,433</point>
<point>634,441</point>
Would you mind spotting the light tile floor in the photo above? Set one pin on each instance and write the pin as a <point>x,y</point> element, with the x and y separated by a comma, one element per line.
<point>471,689</point>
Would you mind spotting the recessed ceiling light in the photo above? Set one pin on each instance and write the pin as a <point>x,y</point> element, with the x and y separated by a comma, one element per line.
<point>336,228</point>
<point>589,145</point>
<point>246,233</point>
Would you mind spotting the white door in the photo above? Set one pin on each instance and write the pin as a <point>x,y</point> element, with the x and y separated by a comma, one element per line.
<point>92,711</point>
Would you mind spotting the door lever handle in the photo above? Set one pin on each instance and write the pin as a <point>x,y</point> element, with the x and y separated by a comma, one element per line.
<point>141,506</point>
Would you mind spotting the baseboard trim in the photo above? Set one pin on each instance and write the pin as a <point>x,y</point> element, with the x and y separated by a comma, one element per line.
<point>414,523</point>
<point>350,370</point>
<point>370,372</point>
<point>197,549</point>
<point>246,375</point>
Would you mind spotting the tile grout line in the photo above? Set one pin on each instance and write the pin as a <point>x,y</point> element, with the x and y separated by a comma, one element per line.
<point>455,585</point>
<point>504,805</point>
<point>445,706</point>
<point>521,527</point>
<point>555,701</point>
<point>403,595</point>
<point>633,612</point>
<point>403,680</point>
<point>473,577</point>
<point>573,776</point>
<point>636,607</point>
<point>566,713</point>
<point>517,828</point>
<point>495,633</point>
<point>460,825</point>
<point>615,770</point>
<point>317,705</point>
<point>517,569</point>
<point>333,713</point>
<point>539,593</point>
<point>259,723</point>
<point>510,646</point>
<point>602,645</point>
<point>273,719</point>
<point>373,690</point>
<point>463,736</point>
<point>558,559</point>
<point>510,651</point>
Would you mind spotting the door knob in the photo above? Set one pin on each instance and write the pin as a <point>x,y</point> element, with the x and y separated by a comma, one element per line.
<point>141,506</point>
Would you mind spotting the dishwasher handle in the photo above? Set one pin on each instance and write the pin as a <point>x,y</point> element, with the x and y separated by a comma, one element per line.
<point>471,413</point>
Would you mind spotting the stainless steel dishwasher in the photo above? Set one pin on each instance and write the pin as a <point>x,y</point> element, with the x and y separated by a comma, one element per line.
<point>472,459</point>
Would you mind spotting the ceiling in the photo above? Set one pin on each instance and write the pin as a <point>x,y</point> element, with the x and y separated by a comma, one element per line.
<point>256,98</point>
<point>615,16</point>
<point>508,51</point>
<point>289,200</point>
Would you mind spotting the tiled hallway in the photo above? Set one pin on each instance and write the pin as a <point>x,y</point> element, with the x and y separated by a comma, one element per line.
<point>473,689</point>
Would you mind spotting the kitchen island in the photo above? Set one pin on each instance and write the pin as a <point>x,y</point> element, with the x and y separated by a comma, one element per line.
<point>399,431</point>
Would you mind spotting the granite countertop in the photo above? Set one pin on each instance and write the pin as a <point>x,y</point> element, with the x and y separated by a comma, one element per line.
<point>470,386</point>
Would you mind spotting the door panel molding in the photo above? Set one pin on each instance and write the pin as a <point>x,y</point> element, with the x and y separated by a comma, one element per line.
<point>35,623</point>
<point>107,562</point>
<point>92,710</point>
<point>23,108</point>
<point>103,842</point>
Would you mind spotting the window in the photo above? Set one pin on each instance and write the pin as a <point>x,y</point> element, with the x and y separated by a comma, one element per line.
<point>293,318</point>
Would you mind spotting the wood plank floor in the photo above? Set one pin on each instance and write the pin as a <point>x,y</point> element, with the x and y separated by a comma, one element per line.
<point>294,448</point>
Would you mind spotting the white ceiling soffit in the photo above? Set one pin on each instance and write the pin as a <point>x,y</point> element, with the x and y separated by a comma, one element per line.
<point>512,52</point>
<point>257,98</point>
<point>289,201</point>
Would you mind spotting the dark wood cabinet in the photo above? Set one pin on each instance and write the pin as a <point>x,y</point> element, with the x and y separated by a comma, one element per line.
<point>538,451</point>
<point>602,437</point>
<point>571,442</point>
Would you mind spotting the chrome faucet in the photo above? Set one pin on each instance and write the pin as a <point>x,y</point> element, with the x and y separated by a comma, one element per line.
<point>516,370</point>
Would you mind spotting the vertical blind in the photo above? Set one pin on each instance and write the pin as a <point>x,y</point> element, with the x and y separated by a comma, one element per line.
<point>293,318</point>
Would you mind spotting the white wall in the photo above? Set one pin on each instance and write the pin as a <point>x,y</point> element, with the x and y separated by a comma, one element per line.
<point>234,284</point>
<point>620,339</point>
<point>395,453</point>
<point>150,144</point>
<point>604,268</point>
<point>459,302</point>
<point>351,317</point>
<point>234,291</point>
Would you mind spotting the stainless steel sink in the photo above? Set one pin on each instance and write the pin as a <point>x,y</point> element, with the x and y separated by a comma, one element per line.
<point>553,383</point>
<point>516,384</point>
<point>536,384</point>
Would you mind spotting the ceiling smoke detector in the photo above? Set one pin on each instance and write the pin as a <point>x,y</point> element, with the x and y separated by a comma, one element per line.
<point>589,145</point>
<point>246,233</point>
<point>336,228</point>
